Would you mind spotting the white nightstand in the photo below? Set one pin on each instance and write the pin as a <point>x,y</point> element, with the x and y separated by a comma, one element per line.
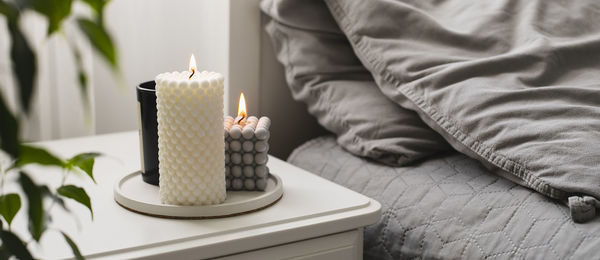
<point>315,219</point>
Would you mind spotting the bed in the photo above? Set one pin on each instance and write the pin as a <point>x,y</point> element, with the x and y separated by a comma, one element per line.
<point>444,195</point>
<point>451,207</point>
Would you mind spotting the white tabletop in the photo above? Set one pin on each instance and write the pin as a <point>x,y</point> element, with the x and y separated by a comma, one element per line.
<point>311,206</point>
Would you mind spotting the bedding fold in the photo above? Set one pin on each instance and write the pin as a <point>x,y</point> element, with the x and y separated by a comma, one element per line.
<point>323,72</point>
<point>513,84</point>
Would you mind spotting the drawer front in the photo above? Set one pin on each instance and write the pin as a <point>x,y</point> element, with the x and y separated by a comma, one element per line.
<point>346,245</point>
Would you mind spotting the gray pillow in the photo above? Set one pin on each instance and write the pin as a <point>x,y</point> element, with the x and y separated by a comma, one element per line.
<point>322,71</point>
<point>515,84</point>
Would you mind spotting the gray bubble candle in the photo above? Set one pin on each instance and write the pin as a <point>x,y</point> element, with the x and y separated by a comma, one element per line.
<point>246,149</point>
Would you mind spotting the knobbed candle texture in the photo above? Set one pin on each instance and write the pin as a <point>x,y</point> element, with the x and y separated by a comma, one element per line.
<point>246,148</point>
<point>190,138</point>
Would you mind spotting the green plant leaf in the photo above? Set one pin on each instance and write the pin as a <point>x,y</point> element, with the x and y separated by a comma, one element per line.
<point>37,155</point>
<point>35,210</point>
<point>9,130</point>
<point>99,38</point>
<point>85,162</point>
<point>76,193</point>
<point>9,206</point>
<point>55,198</point>
<point>96,5</point>
<point>73,246</point>
<point>13,244</point>
<point>54,10</point>
<point>24,65</point>
<point>9,11</point>
<point>4,254</point>
<point>82,79</point>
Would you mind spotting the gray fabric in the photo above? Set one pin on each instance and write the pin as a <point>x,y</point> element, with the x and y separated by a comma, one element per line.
<point>515,84</point>
<point>583,208</point>
<point>450,207</point>
<point>323,72</point>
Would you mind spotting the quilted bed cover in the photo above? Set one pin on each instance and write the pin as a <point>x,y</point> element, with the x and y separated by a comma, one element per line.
<point>451,207</point>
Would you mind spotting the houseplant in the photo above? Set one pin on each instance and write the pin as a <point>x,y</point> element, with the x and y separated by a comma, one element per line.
<point>19,154</point>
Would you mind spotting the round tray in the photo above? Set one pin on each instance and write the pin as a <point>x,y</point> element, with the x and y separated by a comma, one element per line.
<point>133,194</point>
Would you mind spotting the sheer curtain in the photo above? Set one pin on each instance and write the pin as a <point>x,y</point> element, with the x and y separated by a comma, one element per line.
<point>56,108</point>
<point>152,36</point>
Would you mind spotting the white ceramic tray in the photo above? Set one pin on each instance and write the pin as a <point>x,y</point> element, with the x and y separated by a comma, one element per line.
<point>134,194</point>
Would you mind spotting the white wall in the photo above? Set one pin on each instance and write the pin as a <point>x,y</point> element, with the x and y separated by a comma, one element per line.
<point>155,36</point>
<point>152,36</point>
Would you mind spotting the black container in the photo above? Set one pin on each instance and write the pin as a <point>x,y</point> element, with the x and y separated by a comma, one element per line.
<point>146,96</point>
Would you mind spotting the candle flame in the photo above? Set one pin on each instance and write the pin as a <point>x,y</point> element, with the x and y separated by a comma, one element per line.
<point>192,67</point>
<point>242,107</point>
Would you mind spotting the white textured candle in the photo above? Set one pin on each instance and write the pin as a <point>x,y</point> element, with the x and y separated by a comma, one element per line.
<point>190,138</point>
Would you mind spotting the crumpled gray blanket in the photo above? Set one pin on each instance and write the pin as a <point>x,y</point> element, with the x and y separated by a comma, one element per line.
<point>322,71</point>
<point>450,207</point>
<point>514,84</point>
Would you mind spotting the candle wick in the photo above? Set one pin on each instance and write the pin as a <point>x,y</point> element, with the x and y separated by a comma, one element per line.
<point>239,120</point>
<point>193,71</point>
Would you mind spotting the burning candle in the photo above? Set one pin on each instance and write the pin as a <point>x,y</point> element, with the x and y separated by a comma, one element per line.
<point>191,148</point>
<point>246,148</point>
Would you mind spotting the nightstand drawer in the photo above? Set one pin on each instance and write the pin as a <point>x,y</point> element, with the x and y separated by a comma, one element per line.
<point>346,245</point>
